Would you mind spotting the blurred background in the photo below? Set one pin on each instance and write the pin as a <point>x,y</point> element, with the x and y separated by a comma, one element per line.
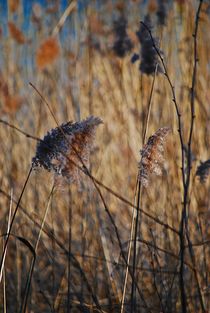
<point>90,58</point>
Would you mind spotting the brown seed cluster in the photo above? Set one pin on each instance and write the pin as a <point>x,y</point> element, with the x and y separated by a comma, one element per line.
<point>66,148</point>
<point>152,156</point>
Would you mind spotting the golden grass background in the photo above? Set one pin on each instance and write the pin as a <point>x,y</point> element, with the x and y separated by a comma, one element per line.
<point>75,69</point>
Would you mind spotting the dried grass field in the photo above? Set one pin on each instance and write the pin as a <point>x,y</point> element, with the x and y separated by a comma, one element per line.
<point>105,160</point>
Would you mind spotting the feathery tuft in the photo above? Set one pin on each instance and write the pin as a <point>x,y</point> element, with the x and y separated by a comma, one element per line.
<point>152,156</point>
<point>69,142</point>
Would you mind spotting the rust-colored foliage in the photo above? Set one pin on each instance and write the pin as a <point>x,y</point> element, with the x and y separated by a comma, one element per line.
<point>13,5</point>
<point>47,53</point>
<point>152,6</point>
<point>16,33</point>
<point>11,102</point>
<point>95,24</point>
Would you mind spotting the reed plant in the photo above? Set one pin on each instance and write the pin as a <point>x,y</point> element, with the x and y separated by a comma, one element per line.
<point>104,164</point>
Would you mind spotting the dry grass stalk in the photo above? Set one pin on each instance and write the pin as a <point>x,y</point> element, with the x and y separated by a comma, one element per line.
<point>47,53</point>
<point>16,33</point>
<point>152,156</point>
<point>72,6</point>
<point>69,142</point>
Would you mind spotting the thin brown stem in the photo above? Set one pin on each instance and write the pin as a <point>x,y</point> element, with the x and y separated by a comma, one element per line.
<point>184,221</point>
<point>13,219</point>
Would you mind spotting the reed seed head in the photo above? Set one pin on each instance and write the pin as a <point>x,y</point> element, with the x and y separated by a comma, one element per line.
<point>66,147</point>
<point>122,44</point>
<point>162,12</point>
<point>152,156</point>
<point>148,55</point>
<point>203,170</point>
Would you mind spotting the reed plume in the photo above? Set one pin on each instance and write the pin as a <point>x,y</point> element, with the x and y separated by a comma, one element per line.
<point>66,146</point>
<point>203,170</point>
<point>152,156</point>
<point>122,44</point>
<point>148,54</point>
<point>47,53</point>
<point>161,12</point>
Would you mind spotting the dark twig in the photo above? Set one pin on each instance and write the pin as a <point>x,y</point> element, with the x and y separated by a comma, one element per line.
<point>195,272</point>
<point>19,130</point>
<point>189,163</point>
<point>185,177</point>
<point>133,293</point>
<point>178,114</point>
<point>165,71</point>
<point>154,258</point>
<point>156,255</point>
<point>206,273</point>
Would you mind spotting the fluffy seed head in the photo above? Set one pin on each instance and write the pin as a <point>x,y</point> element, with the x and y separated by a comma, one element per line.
<point>65,146</point>
<point>152,156</point>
